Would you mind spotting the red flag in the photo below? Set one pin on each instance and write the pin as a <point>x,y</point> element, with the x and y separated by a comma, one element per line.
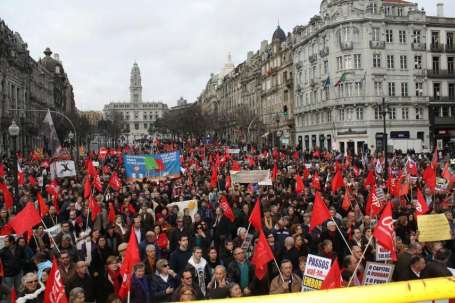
<point>43,208</point>
<point>2,170</point>
<point>262,255</point>
<point>25,219</point>
<point>111,213</point>
<point>228,182</point>
<point>306,173</point>
<point>251,162</point>
<point>346,201</point>
<point>429,176</point>
<point>97,183</point>
<point>90,168</point>
<point>411,168</point>
<point>371,179</point>
<point>160,164</point>
<point>333,278</point>
<point>32,181</point>
<point>114,182</point>
<point>384,231</point>
<point>315,184</point>
<point>434,161</point>
<point>130,259</point>
<point>55,290</point>
<point>106,170</point>
<point>320,212</point>
<point>373,203</point>
<point>214,178</point>
<point>21,178</point>
<point>447,175</point>
<point>87,187</point>
<point>255,217</point>
<point>421,204</point>
<point>227,210</point>
<point>95,209</point>
<point>7,196</point>
<point>274,171</point>
<point>298,184</point>
<point>337,181</point>
<point>13,295</point>
<point>275,153</point>
<point>235,166</point>
<point>295,155</point>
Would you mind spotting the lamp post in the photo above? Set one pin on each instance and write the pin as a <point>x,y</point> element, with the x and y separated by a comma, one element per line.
<point>13,131</point>
<point>384,138</point>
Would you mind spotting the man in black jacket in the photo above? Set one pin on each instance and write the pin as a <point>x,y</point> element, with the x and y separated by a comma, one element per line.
<point>82,279</point>
<point>179,257</point>
<point>438,266</point>
<point>11,260</point>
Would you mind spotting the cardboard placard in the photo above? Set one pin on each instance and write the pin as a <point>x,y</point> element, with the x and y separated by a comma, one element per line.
<point>260,177</point>
<point>433,227</point>
<point>382,254</point>
<point>316,270</point>
<point>377,273</point>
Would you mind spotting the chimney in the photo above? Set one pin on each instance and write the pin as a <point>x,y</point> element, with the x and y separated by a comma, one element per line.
<point>440,9</point>
<point>57,57</point>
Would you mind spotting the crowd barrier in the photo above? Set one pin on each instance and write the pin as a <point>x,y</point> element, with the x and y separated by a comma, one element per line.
<point>427,290</point>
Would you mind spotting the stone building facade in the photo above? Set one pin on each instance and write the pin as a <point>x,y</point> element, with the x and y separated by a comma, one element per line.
<point>349,57</point>
<point>248,101</point>
<point>135,116</point>
<point>26,84</point>
<point>440,65</point>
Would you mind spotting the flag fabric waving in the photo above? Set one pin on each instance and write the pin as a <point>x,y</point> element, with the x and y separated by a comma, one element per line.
<point>130,259</point>
<point>262,255</point>
<point>55,290</point>
<point>320,212</point>
<point>25,219</point>
<point>421,204</point>
<point>95,209</point>
<point>227,210</point>
<point>7,196</point>
<point>333,278</point>
<point>43,208</point>
<point>114,182</point>
<point>337,181</point>
<point>298,184</point>
<point>111,213</point>
<point>384,231</point>
<point>255,217</point>
<point>429,176</point>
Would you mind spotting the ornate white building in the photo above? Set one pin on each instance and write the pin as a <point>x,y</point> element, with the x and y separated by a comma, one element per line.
<point>349,57</point>
<point>136,116</point>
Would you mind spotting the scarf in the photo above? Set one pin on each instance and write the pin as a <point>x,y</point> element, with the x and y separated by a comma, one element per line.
<point>113,277</point>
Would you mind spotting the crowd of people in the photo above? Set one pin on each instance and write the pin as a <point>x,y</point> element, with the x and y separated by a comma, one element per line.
<point>207,255</point>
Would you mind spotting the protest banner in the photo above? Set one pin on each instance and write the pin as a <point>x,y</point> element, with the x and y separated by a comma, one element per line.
<point>260,177</point>
<point>382,254</point>
<point>182,205</point>
<point>62,169</point>
<point>154,166</point>
<point>316,269</point>
<point>433,227</point>
<point>377,273</point>
<point>233,150</point>
<point>54,230</point>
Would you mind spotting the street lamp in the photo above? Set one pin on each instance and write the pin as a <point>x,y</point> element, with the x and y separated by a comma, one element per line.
<point>13,131</point>
<point>384,138</point>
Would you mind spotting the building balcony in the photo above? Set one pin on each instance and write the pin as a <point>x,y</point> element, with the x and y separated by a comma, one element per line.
<point>347,45</point>
<point>313,58</point>
<point>445,99</point>
<point>440,74</point>
<point>324,52</point>
<point>377,44</point>
<point>444,121</point>
<point>419,46</point>
<point>436,48</point>
<point>298,65</point>
<point>450,48</point>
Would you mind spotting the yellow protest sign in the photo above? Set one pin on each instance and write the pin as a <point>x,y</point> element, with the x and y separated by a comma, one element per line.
<point>433,228</point>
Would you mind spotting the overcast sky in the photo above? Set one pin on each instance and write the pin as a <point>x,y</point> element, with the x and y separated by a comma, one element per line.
<point>177,43</point>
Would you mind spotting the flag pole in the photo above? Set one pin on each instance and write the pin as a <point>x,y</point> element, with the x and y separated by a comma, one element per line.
<point>52,237</point>
<point>341,233</point>
<point>360,261</point>
<point>278,267</point>
<point>129,296</point>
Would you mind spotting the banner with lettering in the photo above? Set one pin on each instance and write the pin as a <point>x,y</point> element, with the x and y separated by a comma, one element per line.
<point>377,273</point>
<point>153,166</point>
<point>316,270</point>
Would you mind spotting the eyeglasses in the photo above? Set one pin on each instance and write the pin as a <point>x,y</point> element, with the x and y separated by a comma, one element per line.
<point>33,281</point>
<point>165,265</point>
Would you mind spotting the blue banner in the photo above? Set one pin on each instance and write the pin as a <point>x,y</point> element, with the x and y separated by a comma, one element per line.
<point>154,166</point>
